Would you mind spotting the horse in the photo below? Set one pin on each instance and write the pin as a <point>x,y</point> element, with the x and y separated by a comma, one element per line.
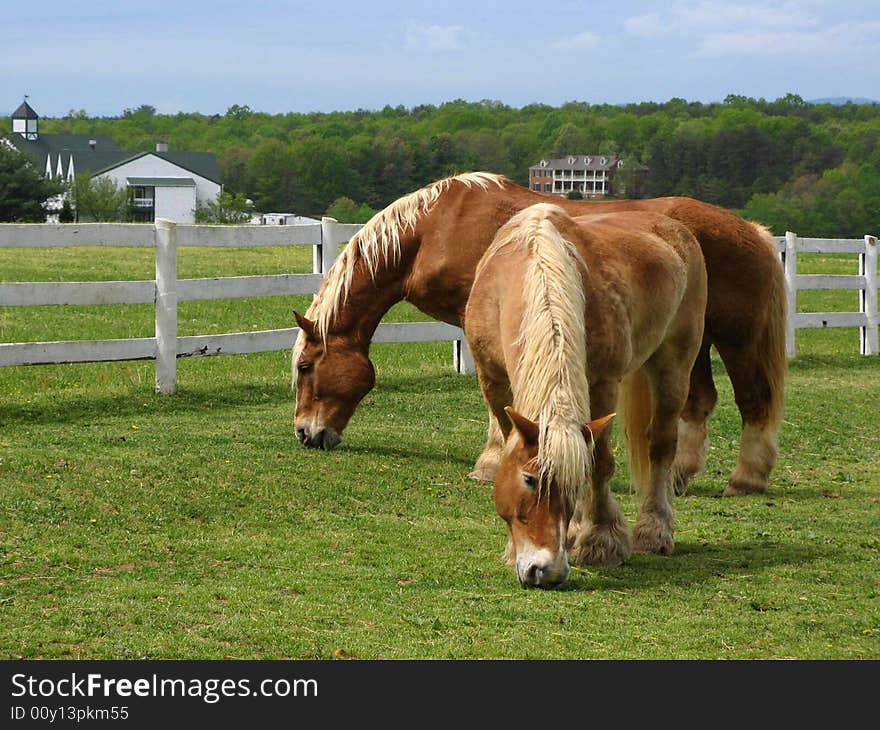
<point>424,248</point>
<point>574,316</point>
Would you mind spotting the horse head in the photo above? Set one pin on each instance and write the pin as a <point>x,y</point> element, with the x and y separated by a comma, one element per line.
<point>333,374</point>
<point>537,511</point>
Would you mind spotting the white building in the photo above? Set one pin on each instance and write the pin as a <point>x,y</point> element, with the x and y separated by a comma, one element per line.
<point>282,219</point>
<point>163,184</point>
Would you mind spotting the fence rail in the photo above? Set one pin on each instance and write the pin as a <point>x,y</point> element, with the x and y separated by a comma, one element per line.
<point>166,290</point>
<point>865,283</point>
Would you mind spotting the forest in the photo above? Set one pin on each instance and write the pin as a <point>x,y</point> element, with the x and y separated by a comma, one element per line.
<point>788,163</point>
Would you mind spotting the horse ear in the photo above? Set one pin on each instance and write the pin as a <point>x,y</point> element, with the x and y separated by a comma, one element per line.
<point>527,429</point>
<point>306,325</point>
<point>594,428</point>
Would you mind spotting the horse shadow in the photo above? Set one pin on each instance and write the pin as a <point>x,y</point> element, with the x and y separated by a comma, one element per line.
<point>690,564</point>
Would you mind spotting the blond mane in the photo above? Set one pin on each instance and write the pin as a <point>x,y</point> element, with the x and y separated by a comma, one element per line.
<point>550,380</point>
<point>379,240</point>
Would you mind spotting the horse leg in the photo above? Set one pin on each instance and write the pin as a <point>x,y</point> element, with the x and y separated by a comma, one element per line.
<point>693,431</point>
<point>759,403</point>
<point>597,533</point>
<point>656,522</point>
<point>488,461</point>
<point>497,394</point>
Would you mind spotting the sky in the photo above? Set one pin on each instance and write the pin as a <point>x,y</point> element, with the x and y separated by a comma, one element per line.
<point>279,56</point>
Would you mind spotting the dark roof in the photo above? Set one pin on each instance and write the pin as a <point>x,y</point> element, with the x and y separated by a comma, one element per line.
<point>24,111</point>
<point>106,155</point>
<point>162,182</point>
<point>588,162</point>
<point>579,162</point>
<point>199,163</point>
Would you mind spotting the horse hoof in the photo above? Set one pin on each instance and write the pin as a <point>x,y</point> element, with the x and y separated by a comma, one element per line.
<point>653,539</point>
<point>738,488</point>
<point>601,545</point>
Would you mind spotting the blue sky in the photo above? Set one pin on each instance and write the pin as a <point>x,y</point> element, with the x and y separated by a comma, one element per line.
<point>277,56</point>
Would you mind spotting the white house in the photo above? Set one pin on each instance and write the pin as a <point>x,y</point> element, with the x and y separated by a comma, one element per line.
<point>163,184</point>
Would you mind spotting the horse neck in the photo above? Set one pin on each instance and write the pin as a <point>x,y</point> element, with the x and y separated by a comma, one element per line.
<point>369,296</point>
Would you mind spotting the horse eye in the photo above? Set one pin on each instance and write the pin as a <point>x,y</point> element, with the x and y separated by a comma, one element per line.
<point>531,480</point>
<point>305,367</point>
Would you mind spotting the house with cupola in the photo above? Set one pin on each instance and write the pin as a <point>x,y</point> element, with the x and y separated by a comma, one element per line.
<point>163,183</point>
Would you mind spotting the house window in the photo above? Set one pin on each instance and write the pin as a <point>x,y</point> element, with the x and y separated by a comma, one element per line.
<point>536,186</point>
<point>143,202</point>
<point>548,188</point>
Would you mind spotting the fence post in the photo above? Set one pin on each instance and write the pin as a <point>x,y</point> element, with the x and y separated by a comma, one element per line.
<point>868,298</point>
<point>791,290</point>
<point>317,252</point>
<point>462,361</point>
<point>329,244</point>
<point>166,305</point>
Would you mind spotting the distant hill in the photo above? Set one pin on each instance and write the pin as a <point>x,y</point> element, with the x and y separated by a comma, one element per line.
<point>841,100</point>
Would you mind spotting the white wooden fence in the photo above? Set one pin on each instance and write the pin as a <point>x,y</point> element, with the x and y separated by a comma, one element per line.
<point>166,290</point>
<point>865,282</point>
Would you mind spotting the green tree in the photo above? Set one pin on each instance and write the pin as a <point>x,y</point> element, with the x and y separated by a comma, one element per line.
<point>228,209</point>
<point>726,152</point>
<point>23,189</point>
<point>345,210</point>
<point>66,215</point>
<point>572,140</point>
<point>273,181</point>
<point>233,165</point>
<point>100,199</point>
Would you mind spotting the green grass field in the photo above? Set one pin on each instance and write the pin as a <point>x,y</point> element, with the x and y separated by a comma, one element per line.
<point>134,525</point>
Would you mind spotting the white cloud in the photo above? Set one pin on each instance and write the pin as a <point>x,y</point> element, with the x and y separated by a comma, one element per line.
<point>715,15</point>
<point>644,26</point>
<point>843,39</point>
<point>718,17</point>
<point>579,42</point>
<point>435,37</point>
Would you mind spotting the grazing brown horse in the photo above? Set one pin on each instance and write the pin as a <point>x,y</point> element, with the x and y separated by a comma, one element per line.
<point>562,312</point>
<point>424,248</point>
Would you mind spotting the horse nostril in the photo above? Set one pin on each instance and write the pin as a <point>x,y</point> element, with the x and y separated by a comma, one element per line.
<point>532,575</point>
<point>301,434</point>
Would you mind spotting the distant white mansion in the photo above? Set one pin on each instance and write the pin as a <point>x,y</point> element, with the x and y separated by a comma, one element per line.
<point>164,184</point>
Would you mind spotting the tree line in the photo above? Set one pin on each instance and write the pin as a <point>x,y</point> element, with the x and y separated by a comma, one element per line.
<point>814,169</point>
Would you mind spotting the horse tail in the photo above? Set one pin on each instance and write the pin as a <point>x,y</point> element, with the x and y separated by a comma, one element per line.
<point>634,404</point>
<point>771,340</point>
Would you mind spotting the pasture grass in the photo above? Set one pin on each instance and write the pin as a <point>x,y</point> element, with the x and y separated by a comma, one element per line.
<point>134,525</point>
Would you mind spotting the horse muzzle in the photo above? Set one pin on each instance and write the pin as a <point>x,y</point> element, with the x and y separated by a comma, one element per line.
<point>318,438</point>
<point>546,573</point>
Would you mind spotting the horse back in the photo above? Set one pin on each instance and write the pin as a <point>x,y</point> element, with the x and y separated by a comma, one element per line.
<point>645,281</point>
